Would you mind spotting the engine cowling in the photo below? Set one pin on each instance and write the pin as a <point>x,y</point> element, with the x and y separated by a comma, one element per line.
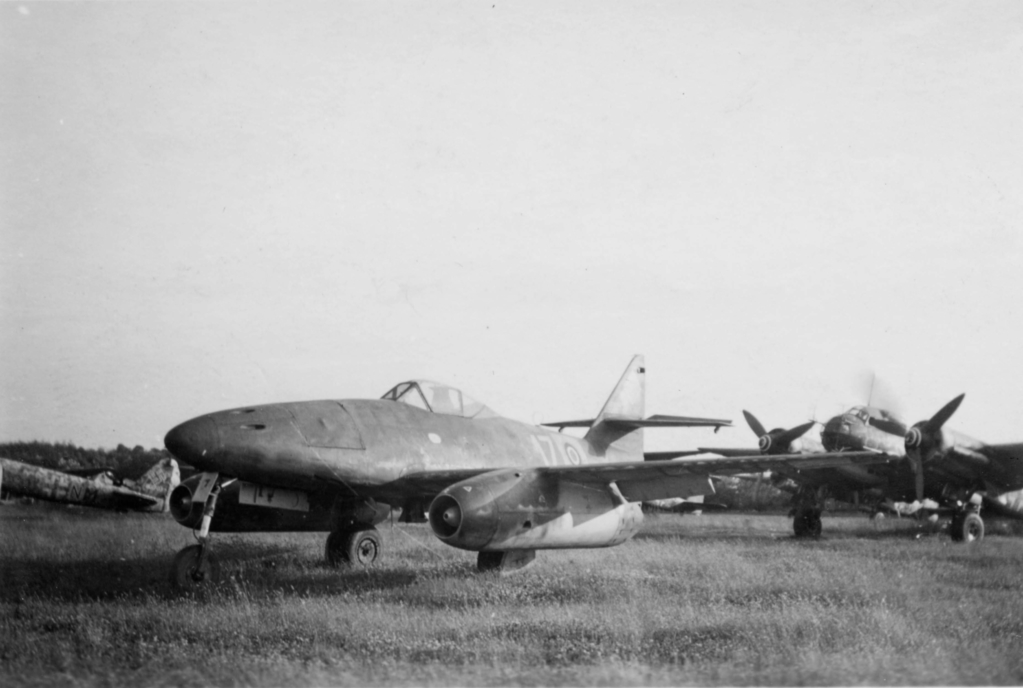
<point>526,509</point>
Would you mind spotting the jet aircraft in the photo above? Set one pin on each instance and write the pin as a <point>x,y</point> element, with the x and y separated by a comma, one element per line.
<point>100,489</point>
<point>485,483</point>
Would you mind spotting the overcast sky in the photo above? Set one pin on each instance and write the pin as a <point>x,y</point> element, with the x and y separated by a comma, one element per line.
<point>209,205</point>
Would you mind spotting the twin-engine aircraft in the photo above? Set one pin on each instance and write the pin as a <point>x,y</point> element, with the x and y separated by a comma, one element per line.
<point>860,429</point>
<point>486,484</point>
<point>958,473</point>
<point>964,474</point>
<point>100,489</point>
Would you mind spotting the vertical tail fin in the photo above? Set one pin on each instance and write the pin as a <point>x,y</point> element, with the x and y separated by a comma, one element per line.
<point>158,481</point>
<point>627,402</point>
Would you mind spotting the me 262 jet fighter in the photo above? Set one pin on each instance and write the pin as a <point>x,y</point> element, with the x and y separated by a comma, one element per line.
<point>485,483</point>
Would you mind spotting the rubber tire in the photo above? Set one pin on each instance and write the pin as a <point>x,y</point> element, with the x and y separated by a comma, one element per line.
<point>350,547</point>
<point>967,528</point>
<point>487,562</point>
<point>798,525</point>
<point>807,524</point>
<point>186,576</point>
<point>814,526</point>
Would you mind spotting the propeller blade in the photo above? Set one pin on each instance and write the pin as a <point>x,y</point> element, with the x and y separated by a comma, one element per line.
<point>754,424</point>
<point>786,438</point>
<point>889,426</point>
<point>939,418</point>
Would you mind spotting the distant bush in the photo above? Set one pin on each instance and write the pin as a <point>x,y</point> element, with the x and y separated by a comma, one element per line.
<point>125,462</point>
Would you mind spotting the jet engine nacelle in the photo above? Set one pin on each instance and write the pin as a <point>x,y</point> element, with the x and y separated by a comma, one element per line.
<point>247,508</point>
<point>526,510</point>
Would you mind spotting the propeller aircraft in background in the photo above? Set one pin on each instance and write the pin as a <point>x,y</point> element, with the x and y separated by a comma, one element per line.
<point>964,474</point>
<point>960,474</point>
<point>860,429</point>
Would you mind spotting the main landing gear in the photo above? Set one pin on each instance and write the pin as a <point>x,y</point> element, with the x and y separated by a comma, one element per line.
<point>349,547</point>
<point>806,513</point>
<point>967,525</point>
<point>504,562</point>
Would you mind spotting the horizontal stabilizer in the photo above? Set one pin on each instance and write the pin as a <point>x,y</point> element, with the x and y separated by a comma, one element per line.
<point>658,421</point>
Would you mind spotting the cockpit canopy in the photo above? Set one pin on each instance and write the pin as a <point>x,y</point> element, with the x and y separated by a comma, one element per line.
<point>438,398</point>
<point>865,413</point>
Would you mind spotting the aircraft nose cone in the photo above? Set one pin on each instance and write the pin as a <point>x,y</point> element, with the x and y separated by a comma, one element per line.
<point>192,440</point>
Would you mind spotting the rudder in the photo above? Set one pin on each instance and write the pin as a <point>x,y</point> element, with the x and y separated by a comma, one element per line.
<point>627,402</point>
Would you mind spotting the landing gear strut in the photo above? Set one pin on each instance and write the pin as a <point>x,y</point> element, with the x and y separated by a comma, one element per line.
<point>806,514</point>
<point>350,547</point>
<point>195,565</point>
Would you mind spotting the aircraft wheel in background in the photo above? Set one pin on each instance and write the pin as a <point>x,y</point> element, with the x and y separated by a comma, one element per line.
<point>504,562</point>
<point>967,527</point>
<point>814,526</point>
<point>347,547</point>
<point>186,574</point>
<point>807,523</point>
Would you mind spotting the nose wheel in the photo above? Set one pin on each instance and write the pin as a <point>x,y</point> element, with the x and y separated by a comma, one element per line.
<point>194,567</point>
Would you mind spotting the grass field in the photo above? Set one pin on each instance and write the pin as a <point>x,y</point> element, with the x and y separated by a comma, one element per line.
<point>711,600</point>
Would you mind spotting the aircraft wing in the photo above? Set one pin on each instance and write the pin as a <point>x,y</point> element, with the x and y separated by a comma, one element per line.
<point>656,421</point>
<point>665,455</point>
<point>1014,450</point>
<point>423,484</point>
<point>638,481</point>
<point>756,463</point>
<point>728,451</point>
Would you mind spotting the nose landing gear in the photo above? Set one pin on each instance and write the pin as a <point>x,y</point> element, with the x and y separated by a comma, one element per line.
<point>195,566</point>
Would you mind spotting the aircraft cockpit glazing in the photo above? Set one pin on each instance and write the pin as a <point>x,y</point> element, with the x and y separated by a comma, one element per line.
<point>438,398</point>
<point>889,422</point>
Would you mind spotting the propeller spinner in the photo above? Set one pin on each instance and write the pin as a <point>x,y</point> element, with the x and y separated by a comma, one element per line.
<point>924,440</point>
<point>778,440</point>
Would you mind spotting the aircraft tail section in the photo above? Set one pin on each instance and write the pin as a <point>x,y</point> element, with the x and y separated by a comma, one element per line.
<point>608,435</point>
<point>159,481</point>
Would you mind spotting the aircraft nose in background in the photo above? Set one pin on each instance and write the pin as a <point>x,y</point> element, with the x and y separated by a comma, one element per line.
<point>192,440</point>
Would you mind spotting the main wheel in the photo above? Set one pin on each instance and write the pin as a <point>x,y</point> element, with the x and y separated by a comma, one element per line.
<point>807,523</point>
<point>813,525</point>
<point>347,547</point>
<point>187,574</point>
<point>967,528</point>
